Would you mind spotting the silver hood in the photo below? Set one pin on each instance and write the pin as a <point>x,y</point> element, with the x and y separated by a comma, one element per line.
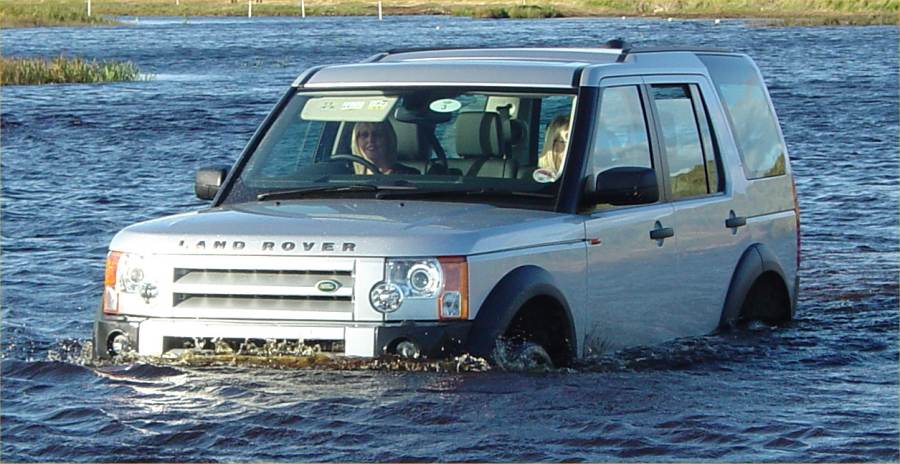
<point>350,228</point>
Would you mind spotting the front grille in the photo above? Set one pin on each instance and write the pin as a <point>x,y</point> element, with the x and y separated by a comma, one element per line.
<point>277,290</point>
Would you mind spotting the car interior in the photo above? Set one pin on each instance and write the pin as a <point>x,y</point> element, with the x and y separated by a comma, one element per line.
<point>497,142</point>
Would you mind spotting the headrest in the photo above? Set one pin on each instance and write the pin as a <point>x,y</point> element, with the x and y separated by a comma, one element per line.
<point>478,134</point>
<point>407,141</point>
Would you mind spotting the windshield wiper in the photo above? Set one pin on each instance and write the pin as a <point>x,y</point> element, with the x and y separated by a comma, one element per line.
<point>302,192</point>
<point>411,193</point>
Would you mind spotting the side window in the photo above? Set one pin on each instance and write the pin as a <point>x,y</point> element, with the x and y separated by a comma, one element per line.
<point>747,107</point>
<point>689,166</point>
<point>621,135</point>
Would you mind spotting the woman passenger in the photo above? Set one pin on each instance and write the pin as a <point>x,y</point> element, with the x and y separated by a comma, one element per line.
<point>556,140</point>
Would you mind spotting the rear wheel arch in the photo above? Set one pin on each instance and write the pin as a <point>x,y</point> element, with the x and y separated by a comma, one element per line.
<point>768,300</point>
<point>524,298</point>
<point>758,289</point>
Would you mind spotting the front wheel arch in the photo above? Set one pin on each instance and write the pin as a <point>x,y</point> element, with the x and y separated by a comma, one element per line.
<point>543,321</point>
<point>520,289</point>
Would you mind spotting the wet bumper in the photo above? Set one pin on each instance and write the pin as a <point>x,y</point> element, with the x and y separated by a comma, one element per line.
<point>149,336</point>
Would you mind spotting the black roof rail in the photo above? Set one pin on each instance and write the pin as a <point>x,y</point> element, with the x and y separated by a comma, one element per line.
<point>395,51</point>
<point>627,49</point>
<point>681,49</point>
<point>376,57</point>
<point>613,44</point>
<point>620,44</point>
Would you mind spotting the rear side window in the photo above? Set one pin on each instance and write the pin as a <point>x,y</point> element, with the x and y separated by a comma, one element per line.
<point>687,141</point>
<point>752,121</point>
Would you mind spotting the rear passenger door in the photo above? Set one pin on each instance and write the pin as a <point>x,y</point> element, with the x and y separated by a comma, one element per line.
<point>631,277</point>
<point>707,221</point>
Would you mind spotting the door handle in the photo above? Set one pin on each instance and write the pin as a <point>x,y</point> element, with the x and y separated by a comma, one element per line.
<point>734,221</point>
<point>661,233</point>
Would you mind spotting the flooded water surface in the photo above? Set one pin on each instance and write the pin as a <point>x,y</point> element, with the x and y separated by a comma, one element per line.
<point>79,162</point>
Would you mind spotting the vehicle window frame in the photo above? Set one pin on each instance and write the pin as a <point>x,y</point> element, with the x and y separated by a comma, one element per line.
<point>652,139</point>
<point>695,86</point>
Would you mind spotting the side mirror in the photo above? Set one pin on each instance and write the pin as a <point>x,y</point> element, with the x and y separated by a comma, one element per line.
<point>208,181</point>
<point>626,185</point>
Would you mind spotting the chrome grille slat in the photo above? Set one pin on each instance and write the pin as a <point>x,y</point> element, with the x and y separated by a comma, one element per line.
<point>225,289</point>
<point>257,302</point>
<point>249,290</point>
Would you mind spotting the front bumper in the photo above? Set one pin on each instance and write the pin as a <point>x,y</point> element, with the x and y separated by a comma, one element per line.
<point>153,336</point>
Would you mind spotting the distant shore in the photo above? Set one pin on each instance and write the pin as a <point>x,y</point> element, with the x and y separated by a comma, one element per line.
<point>34,13</point>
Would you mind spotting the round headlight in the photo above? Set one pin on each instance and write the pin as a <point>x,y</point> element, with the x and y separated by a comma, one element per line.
<point>423,279</point>
<point>136,275</point>
<point>386,297</point>
<point>131,269</point>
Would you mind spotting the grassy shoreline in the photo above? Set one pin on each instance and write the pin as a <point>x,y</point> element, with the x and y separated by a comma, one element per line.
<point>64,70</point>
<point>29,13</point>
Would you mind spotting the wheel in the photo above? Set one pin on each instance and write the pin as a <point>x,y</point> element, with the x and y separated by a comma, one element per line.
<point>766,302</point>
<point>535,357</point>
<point>358,160</point>
<point>521,356</point>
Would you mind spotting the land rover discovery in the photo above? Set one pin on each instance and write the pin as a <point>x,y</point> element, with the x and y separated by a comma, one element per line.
<point>427,203</point>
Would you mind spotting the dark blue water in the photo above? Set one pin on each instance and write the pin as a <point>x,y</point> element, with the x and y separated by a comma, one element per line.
<point>80,162</point>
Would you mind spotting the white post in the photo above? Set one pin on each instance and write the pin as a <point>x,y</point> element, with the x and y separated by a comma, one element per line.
<point>249,8</point>
<point>177,2</point>
<point>89,7</point>
<point>380,17</point>
<point>302,8</point>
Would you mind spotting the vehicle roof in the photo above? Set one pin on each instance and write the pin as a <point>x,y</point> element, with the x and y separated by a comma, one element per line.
<point>512,67</point>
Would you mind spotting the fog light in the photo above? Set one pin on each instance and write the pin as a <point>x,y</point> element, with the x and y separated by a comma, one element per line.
<point>119,344</point>
<point>408,350</point>
<point>386,297</point>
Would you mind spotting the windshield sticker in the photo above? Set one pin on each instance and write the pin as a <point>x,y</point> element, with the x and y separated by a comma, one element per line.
<point>353,105</point>
<point>378,104</point>
<point>544,176</point>
<point>445,105</point>
<point>355,109</point>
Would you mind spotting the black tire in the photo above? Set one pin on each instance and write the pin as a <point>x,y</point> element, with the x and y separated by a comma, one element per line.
<point>521,356</point>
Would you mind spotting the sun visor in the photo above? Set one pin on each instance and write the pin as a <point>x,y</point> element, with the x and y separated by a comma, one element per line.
<point>357,108</point>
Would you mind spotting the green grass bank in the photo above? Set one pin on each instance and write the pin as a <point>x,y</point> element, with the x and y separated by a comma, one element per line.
<point>24,13</point>
<point>60,70</point>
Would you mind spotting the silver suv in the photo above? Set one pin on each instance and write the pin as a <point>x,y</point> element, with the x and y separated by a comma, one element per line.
<point>427,203</point>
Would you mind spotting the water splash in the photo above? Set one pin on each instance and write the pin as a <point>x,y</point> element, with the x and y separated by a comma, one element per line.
<point>514,356</point>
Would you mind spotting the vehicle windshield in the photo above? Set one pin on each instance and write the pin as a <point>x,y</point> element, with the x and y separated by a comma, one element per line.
<point>478,146</point>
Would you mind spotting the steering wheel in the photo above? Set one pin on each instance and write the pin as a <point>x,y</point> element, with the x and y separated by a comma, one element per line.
<point>358,160</point>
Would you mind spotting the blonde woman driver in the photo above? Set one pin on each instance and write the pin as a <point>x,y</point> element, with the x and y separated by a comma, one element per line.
<point>376,142</point>
<point>556,140</point>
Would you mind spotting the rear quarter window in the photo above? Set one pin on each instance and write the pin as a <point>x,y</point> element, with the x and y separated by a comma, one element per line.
<point>752,121</point>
